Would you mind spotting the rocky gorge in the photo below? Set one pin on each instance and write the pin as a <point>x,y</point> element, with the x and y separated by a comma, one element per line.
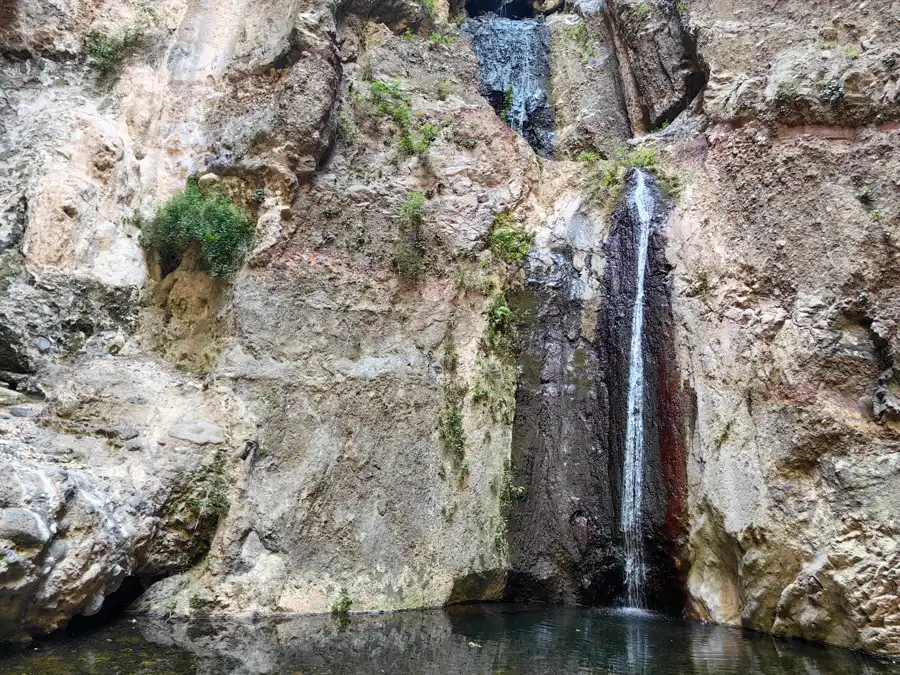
<point>408,385</point>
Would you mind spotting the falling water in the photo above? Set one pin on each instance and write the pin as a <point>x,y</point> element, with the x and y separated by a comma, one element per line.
<point>514,63</point>
<point>641,201</point>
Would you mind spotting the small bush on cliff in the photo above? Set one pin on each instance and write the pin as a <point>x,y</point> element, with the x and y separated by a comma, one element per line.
<point>643,157</point>
<point>508,240</point>
<point>390,101</point>
<point>506,105</point>
<point>106,53</point>
<point>342,604</point>
<point>203,218</point>
<point>642,11</point>
<point>501,328</point>
<point>410,258</point>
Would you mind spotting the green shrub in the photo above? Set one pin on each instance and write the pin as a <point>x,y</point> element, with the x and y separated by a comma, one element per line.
<point>204,218</point>
<point>851,52</point>
<point>642,11</point>
<point>390,101</point>
<point>500,326</point>
<point>428,6</point>
<point>508,240</point>
<point>443,91</point>
<point>506,105</point>
<point>643,157</point>
<point>445,40</point>
<point>587,157</point>
<point>412,208</point>
<point>342,604</point>
<point>106,53</point>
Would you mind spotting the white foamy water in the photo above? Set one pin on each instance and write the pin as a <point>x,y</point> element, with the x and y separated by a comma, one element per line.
<point>641,201</point>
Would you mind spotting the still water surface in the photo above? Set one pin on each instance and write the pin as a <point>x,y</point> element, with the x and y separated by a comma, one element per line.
<point>489,639</point>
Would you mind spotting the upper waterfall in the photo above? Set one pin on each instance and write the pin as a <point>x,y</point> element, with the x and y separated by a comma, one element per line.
<point>514,65</point>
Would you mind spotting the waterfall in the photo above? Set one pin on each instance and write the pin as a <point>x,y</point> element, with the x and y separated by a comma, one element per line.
<point>514,63</point>
<point>641,201</point>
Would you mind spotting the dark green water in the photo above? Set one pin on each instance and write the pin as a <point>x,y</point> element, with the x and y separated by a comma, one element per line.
<point>490,639</point>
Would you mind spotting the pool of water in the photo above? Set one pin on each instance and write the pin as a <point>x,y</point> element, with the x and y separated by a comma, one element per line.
<point>490,639</point>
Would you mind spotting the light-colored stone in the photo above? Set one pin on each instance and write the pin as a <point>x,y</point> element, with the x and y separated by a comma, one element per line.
<point>197,431</point>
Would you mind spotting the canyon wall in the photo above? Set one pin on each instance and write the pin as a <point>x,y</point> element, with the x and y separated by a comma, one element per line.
<point>340,422</point>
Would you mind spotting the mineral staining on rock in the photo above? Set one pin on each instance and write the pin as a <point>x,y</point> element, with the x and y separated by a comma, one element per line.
<point>319,428</point>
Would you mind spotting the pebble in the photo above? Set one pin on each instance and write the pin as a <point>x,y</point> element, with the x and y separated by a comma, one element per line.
<point>21,411</point>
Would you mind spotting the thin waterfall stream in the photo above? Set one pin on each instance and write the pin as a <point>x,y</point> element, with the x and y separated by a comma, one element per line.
<point>641,200</point>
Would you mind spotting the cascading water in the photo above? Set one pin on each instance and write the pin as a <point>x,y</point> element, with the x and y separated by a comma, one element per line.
<point>641,201</point>
<point>514,65</point>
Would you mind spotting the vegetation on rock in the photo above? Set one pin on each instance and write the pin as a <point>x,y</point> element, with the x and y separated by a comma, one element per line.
<point>450,427</point>
<point>342,603</point>
<point>509,241</point>
<point>390,101</point>
<point>204,218</point>
<point>410,257</point>
<point>106,53</point>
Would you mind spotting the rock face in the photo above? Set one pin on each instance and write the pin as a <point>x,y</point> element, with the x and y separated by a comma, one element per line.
<point>345,422</point>
<point>784,297</point>
<point>88,502</point>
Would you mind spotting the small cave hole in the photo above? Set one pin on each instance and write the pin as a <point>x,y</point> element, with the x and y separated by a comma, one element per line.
<point>114,606</point>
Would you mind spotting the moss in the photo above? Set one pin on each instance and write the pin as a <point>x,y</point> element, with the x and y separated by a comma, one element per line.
<point>439,39</point>
<point>850,51</point>
<point>450,429</point>
<point>496,387</point>
<point>450,358</point>
<point>203,218</point>
<point>578,36</point>
<point>500,325</point>
<point>469,280</point>
<point>508,493</point>
<point>642,11</point>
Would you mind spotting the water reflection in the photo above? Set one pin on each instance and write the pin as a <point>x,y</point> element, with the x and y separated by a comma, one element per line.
<point>488,639</point>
